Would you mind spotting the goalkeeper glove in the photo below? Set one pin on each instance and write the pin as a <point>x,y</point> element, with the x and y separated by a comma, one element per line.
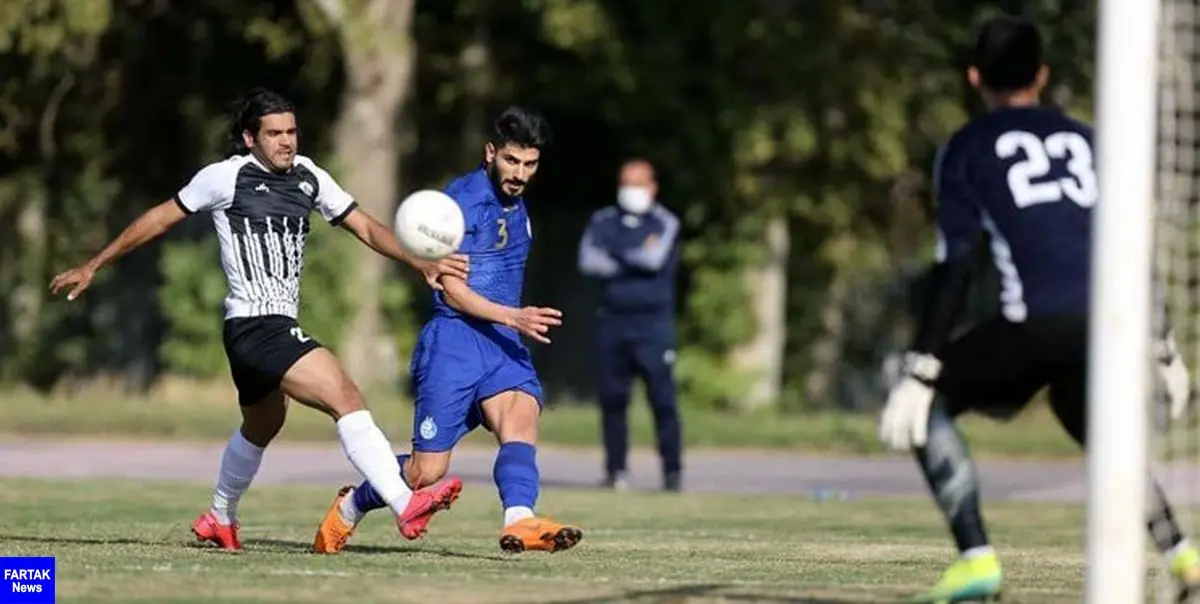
<point>1174,374</point>
<point>905,422</point>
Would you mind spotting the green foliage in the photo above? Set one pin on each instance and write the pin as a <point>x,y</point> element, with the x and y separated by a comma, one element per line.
<point>707,382</point>
<point>823,114</point>
<point>191,298</point>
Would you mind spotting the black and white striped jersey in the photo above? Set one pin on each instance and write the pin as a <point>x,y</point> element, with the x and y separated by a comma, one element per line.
<point>262,221</point>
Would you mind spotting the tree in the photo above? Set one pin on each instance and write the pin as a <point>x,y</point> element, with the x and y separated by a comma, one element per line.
<point>378,53</point>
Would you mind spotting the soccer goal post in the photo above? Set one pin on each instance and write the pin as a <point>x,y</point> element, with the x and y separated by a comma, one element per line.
<point>1119,356</point>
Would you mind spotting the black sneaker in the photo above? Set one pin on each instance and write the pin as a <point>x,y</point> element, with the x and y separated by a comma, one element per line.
<point>673,482</point>
<point>617,481</point>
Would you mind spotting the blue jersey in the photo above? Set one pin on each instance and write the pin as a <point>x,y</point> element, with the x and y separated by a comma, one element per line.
<point>1025,176</point>
<point>460,360</point>
<point>497,238</point>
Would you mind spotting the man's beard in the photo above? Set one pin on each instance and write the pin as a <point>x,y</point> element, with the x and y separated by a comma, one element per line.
<point>498,185</point>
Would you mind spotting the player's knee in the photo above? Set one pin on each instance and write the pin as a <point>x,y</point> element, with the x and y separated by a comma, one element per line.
<point>519,423</point>
<point>426,469</point>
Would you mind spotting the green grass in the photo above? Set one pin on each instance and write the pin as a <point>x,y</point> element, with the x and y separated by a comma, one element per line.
<point>194,411</point>
<point>127,541</point>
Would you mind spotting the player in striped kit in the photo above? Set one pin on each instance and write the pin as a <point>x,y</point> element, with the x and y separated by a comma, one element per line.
<point>260,199</point>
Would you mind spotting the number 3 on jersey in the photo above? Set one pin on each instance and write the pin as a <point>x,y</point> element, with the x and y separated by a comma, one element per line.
<point>501,233</point>
<point>1079,187</point>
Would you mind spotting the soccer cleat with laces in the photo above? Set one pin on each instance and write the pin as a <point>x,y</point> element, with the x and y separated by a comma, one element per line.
<point>206,528</point>
<point>425,503</point>
<point>539,534</point>
<point>334,531</point>
<point>967,580</point>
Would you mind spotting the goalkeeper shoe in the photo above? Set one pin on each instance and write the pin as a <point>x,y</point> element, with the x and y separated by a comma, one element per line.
<point>1185,570</point>
<point>975,579</point>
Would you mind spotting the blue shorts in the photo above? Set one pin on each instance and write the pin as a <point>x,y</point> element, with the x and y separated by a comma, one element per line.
<point>456,365</point>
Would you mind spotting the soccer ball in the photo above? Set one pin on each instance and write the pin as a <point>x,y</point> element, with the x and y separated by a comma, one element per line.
<point>429,224</point>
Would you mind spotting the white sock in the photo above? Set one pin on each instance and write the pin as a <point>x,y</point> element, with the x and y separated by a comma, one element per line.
<point>350,512</point>
<point>516,514</point>
<point>239,464</point>
<point>976,552</point>
<point>371,454</point>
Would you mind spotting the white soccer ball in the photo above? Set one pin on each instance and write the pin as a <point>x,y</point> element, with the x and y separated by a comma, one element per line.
<point>429,224</point>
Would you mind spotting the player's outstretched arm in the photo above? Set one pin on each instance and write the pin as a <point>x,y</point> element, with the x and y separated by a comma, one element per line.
<point>532,321</point>
<point>150,225</point>
<point>381,239</point>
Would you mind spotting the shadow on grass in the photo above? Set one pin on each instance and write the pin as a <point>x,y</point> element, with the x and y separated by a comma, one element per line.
<point>683,592</point>
<point>297,547</point>
<point>50,539</point>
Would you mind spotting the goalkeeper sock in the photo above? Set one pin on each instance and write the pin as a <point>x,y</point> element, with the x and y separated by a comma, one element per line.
<point>952,478</point>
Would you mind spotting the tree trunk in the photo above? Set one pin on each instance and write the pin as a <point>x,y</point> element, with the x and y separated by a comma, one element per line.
<point>826,350</point>
<point>762,357</point>
<point>477,79</point>
<point>379,53</point>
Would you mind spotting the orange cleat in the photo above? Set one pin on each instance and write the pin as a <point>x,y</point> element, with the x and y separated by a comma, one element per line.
<point>334,531</point>
<point>225,536</point>
<point>539,534</point>
<point>426,502</point>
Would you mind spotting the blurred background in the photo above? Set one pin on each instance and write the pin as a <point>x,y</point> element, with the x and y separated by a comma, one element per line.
<point>793,138</point>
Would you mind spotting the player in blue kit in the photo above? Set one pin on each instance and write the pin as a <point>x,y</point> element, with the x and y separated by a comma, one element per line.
<point>470,367</point>
<point>1023,174</point>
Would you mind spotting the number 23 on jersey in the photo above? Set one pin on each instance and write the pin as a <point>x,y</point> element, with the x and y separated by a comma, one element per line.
<point>1025,178</point>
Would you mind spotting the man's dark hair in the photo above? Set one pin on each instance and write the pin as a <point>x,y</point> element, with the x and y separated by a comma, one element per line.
<point>1008,53</point>
<point>523,127</point>
<point>249,113</point>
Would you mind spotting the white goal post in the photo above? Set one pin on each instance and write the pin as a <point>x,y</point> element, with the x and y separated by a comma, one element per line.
<point>1119,356</point>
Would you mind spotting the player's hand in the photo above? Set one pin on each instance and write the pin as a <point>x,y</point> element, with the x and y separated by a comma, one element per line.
<point>1174,373</point>
<point>454,265</point>
<point>650,241</point>
<point>905,422</point>
<point>536,321</point>
<point>76,280</point>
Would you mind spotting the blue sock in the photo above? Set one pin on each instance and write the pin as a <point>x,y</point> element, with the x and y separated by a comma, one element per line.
<point>365,497</point>
<point>516,475</point>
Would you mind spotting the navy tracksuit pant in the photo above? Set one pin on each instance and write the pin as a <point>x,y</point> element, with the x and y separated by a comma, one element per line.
<point>638,346</point>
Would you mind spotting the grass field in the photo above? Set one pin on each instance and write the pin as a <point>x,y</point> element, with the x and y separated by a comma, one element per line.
<point>123,542</point>
<point>196,411</point>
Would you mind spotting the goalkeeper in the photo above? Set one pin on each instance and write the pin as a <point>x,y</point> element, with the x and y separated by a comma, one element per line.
<point>1024,174</point>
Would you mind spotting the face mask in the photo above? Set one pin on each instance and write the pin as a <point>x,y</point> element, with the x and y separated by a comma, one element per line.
<point>635,200</point>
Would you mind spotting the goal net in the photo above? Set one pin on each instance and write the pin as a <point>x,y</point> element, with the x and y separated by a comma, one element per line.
<point>1174,445</point>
